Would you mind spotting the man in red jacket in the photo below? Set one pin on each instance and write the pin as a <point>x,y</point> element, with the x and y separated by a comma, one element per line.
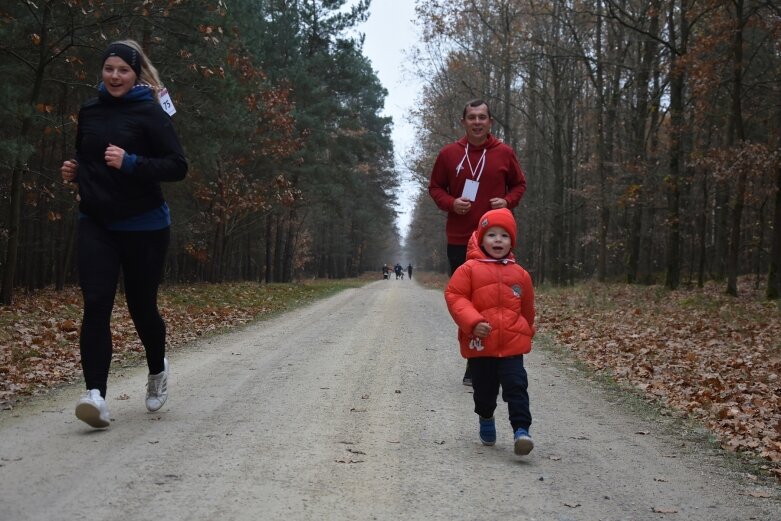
<point>475,174</point>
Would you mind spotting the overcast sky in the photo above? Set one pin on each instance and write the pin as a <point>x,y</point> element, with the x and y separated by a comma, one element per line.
<point>389,32</point>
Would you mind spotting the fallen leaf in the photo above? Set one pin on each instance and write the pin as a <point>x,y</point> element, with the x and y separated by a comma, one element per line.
<point>659,510</point>
<point>69,325</point>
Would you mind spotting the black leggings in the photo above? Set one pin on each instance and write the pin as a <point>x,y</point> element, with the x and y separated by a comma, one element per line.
<point>141,256</point>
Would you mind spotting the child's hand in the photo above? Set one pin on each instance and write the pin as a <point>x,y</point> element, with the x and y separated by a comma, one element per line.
<point>482,330</point>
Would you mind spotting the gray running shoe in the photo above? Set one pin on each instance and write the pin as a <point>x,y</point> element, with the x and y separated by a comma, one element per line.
<point>157,389</point>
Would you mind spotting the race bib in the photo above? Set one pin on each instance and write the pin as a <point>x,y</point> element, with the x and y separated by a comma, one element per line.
<point>470,190</point>
<point>166,103</point>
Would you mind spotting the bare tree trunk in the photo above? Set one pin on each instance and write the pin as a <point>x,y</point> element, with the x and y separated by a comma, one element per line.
<point>287,275</point>
<point>557,190</point>
<point>736,133</point>
<point>216,271</point>
<point>760,240</point>
<point>647,53</point>
<point>12,252</point>
<point>645,269</point>
<point>63,267</point>
<point>677,159</point>
<point>279,248</point>
<point>604,212</point>
<point>268,274</point>
<point>702,232</point>
<point>773,291</point>
<point>37,261</point>
<point>672,279</point>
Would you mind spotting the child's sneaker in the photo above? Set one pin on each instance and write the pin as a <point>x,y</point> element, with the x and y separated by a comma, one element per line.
<point>487,431</point>
<point>92,410</point>
<point>523,442</point>
<point>157,389</point>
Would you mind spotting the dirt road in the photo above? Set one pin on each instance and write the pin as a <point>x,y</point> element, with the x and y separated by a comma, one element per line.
<point>353,409</point>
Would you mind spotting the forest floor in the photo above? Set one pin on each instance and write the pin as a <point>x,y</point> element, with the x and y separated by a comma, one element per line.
<point>697,353</point>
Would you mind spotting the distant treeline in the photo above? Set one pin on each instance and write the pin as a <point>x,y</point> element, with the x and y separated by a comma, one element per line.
<point>278,109</point>
<point>649,131</point>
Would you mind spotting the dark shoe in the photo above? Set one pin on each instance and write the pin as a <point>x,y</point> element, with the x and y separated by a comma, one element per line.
<point>487,431</point>
<point>523,442</point>
<point>467,376</point>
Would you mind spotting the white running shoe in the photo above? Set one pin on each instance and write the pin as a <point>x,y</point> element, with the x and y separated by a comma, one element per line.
<point>157,389</point>
<point>92,410</point>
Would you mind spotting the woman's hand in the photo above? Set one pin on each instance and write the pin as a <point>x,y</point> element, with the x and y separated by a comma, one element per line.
<point>114,156</point>
<point>69,170</point>
<point>482,330</point>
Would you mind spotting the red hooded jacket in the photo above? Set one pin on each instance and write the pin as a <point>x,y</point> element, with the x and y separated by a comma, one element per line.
<point>502,177</point>
<point>499,292</point>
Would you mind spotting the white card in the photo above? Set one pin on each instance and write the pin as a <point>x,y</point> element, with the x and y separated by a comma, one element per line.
<point>470,190</point>
<point>166,103</point>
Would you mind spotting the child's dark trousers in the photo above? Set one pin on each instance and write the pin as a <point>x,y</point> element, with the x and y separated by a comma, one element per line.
<point>487,374</point>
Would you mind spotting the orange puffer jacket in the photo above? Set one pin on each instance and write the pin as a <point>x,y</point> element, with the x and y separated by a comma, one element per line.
<point>499,292</point>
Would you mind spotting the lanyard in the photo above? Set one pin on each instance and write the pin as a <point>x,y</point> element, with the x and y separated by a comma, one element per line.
<point>478,169</point>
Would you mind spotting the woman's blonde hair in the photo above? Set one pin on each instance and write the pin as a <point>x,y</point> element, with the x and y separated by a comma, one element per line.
<point>149,75</point>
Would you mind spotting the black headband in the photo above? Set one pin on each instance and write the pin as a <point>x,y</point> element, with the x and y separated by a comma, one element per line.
<point>126,53</point>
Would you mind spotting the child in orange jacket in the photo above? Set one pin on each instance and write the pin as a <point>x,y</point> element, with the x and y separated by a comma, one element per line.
<point>491,299</point>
